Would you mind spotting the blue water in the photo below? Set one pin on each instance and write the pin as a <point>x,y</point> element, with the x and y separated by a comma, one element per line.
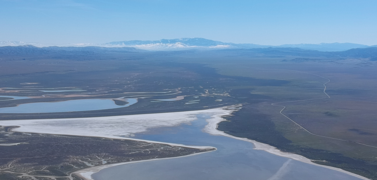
<point>159,100</point>
<point>57,91</point>
<point>166,100</point>
<point>233,160</point>
<point>67,106</point>
<point>13,98</point>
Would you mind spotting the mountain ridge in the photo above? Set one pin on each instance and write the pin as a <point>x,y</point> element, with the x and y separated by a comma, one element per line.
<point>68,52</point>
<point>207,43</point>
<point>199,43</point>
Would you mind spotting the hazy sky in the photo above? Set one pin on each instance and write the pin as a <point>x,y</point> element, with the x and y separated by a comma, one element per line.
<point>270,22</point>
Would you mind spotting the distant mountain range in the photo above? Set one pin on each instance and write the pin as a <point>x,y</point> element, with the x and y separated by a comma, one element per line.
<point>201,43</point>
<point>206,43</point>
<point>89,52</point>
<point>327,46</point>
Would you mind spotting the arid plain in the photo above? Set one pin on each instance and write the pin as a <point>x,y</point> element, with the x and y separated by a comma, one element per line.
<point>314,105</point>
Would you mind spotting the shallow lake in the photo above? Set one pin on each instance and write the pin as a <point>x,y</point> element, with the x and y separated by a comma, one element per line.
<point>160,100</point>
<point>233,159</point>
<point>57,91</point>
<point>9,98</point>
<point>67,106</point>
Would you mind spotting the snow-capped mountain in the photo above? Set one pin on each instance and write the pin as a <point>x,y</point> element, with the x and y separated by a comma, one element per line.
<point>171,44</point>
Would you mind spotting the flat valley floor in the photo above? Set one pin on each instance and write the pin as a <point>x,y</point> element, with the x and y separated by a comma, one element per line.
<point>307,103</point>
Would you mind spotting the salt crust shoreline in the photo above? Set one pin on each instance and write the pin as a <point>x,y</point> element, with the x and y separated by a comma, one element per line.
<point>211,128</point>
<point>87,173</point>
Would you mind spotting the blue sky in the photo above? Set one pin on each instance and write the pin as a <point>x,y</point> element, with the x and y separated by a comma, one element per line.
<point>269,22</point>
